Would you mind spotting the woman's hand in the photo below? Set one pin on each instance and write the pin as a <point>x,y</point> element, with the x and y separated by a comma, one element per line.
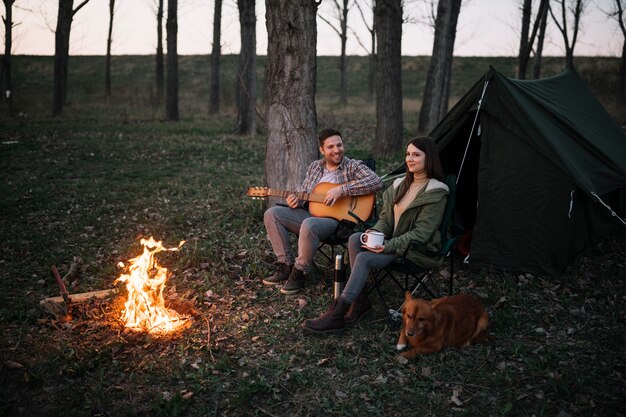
<point>375,249</point>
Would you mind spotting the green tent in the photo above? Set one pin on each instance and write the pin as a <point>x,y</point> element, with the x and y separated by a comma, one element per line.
<point>541,171</point>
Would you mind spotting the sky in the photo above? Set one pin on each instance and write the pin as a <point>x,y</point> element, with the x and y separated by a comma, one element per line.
<point>485,28</point>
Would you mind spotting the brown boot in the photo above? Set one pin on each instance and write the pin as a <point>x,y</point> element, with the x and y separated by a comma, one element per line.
<point>295,283</point>
<point>331,321</point>
<point>358,308</point>
<point>280,276</point>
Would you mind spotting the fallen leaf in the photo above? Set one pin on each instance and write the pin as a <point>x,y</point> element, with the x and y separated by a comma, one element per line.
<point>13,365</point>
<point>401,359</point>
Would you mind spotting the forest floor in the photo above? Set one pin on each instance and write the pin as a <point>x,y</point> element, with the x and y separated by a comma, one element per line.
<point>83,192</point>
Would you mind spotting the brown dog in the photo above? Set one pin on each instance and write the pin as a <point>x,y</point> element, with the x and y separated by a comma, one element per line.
<point>429,326</point>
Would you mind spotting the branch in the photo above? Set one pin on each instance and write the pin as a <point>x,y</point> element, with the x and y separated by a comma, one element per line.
<point>331,25</point>
<point>80,6</point>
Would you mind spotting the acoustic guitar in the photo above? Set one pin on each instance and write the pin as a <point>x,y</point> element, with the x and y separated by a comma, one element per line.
<point>360,205</point>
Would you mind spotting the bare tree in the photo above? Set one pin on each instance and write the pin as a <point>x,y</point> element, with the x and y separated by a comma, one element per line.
<point>62,51</point>
<point>575,8</point>
<point>246,74</point>
<point>526,42</point>
<point>371,75</point>
<point>388,21</point>
<point>171,88</point>
<point>540,39</point>
<point>290,112</point>
<point>107,69</point>
<point>341,12</point>
<point>160,65</point>
<point>8,40</point>
<point>618,15</point>
<point>437,89</point>
<point>214,94</point>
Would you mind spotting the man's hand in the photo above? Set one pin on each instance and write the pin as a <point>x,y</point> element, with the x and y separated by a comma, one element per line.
<point>293,201</point>
<point>375,249</point>
<point>332,195</point>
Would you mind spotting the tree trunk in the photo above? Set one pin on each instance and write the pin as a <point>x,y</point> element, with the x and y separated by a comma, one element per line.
<point>246,75</point>
<point>388,22</point>
<point>6,59</point>
<point>576,11</point>
<point>171,89</point>
<point>622,71</point>
<point>524,47</point>
<point>160,67</point>
<point>343,60</point>
<point>540,38</point>
<point>437,89</point>
<point>107,70</point>
<point>371,77</point>
<point>61,54</point>
<point>622,67</point>
<point>214,95</point>
<point>290,91</point>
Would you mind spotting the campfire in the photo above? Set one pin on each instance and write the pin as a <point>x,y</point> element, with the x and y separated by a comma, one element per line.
<point>145,308</point>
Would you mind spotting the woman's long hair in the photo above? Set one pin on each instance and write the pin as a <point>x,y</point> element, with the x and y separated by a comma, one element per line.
<point>432,164</point>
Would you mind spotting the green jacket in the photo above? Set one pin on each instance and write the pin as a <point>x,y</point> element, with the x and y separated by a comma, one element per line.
<point>420,222</point>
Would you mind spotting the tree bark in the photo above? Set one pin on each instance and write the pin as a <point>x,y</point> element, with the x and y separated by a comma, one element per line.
<point>246,74</point>
<point>160,65</point>
<point>388,22</point>
<point>171,89</point>
<point>61,52</point>
<point>437,89</point>
<point>7,87</point>
<point>290,91</point>
<point>107,70</point>
<point>214,94</point>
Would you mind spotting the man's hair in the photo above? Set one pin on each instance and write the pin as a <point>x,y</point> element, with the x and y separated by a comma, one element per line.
<point>325,134</point>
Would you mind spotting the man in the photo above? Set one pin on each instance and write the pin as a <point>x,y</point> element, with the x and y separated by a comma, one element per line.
<point>352,178</point>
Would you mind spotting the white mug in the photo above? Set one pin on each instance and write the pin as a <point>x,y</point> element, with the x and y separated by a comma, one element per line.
<point>372,239</point>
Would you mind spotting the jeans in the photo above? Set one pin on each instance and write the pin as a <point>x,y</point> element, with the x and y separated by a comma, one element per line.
<point>362,261</point>
<point>280,220</point>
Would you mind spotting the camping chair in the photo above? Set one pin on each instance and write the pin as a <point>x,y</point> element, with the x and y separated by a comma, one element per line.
<point>417,279</point>
<point>327,248</point>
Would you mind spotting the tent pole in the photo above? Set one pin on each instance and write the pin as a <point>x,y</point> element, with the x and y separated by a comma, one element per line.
<point>480,102</point>
<point>613,213</point>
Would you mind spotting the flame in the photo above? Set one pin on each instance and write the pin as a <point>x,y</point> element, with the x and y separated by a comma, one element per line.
<point>145,307</point>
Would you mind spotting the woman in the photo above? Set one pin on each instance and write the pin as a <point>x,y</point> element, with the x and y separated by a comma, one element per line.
<point>412,210</point>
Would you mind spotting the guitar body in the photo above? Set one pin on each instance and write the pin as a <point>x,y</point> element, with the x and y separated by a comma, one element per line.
<point>360,205</point>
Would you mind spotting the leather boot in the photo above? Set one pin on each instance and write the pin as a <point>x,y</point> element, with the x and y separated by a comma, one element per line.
<point>331,321</point>
<point>358,308</point>
<point>280,276</point>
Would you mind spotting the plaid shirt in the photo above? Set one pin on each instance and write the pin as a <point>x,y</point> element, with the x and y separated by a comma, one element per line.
<point>356,178</point>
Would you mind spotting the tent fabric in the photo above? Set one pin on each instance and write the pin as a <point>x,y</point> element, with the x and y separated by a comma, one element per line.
<point>539,152</point>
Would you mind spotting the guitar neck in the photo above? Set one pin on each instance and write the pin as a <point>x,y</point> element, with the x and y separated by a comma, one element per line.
<point>315,197</point>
